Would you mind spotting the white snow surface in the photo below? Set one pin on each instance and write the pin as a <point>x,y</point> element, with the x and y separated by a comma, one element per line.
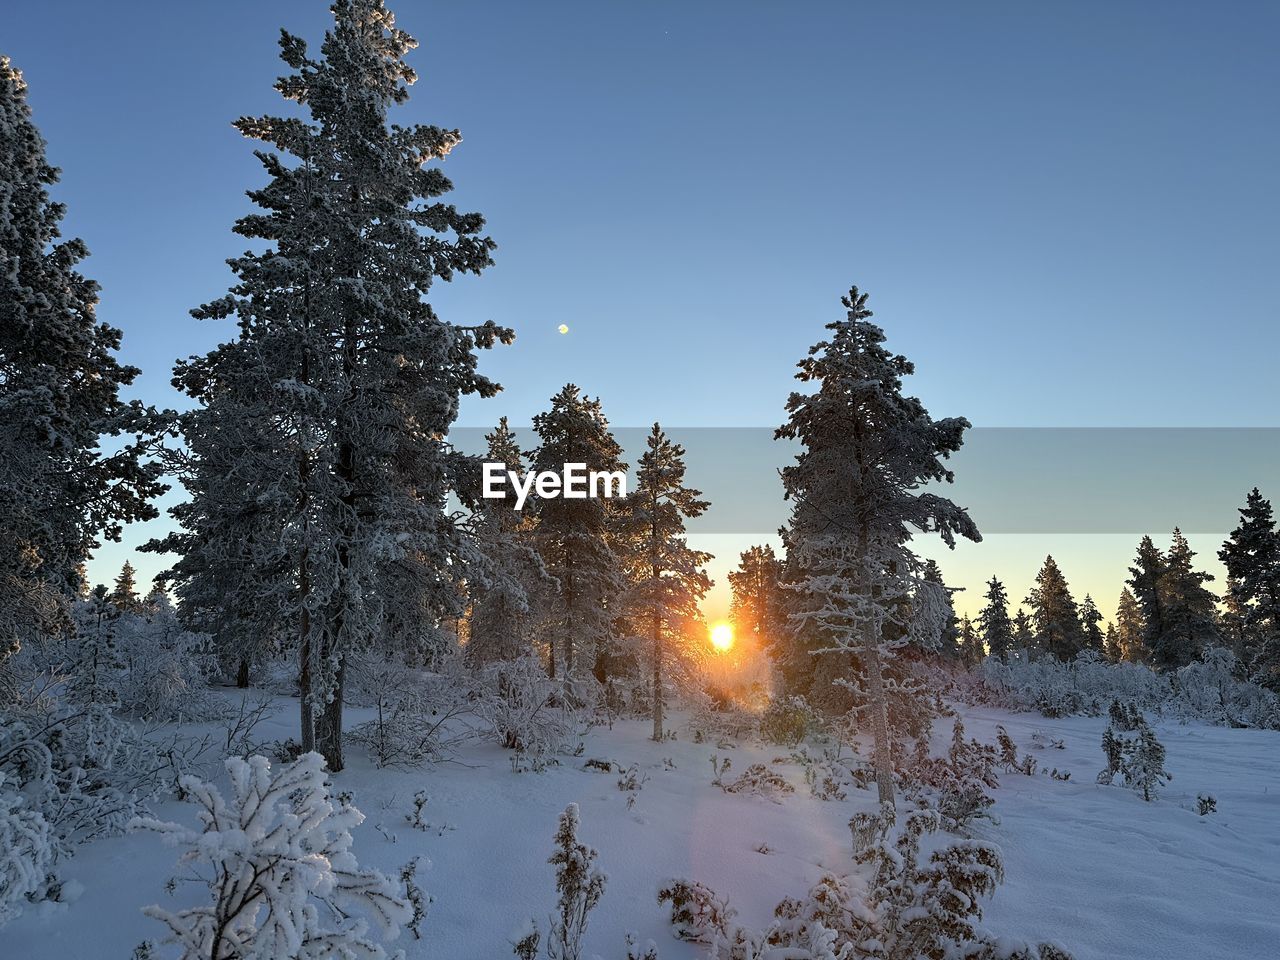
<point>1093,868</point>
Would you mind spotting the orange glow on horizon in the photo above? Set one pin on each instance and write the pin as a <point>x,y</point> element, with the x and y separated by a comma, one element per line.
<point>722,637</point>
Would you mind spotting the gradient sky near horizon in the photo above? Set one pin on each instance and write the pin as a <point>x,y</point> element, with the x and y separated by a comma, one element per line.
<point>1065,214</point>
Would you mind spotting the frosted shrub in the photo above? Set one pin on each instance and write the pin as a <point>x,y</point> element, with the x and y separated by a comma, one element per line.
<point>718,721</point>
<point>1207,690</point>
<point>1210,691</point>
<point>1139,761</point>
<point>914,909</point>
<point>760,781</point>
<point>416,715</point>
<point>25,852</point>
<point>698,913</point>
<point>527,711</point>
<point>787,721</point>
<point>955,785</point>
<point>166,668</point>
<point>84,771</point>
<point>579,886</point>
<point>276,857</point>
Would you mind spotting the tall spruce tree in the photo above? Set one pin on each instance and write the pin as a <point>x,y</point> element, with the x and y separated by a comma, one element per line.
<point>758,605</point>
<point>1189,609</point>
<point>575,536</point>
<point>668,580</point>
<point>1054,613</point>
<point>1090,626</point>
<point>1146,580</point>
<point>968,643</point>
<point>1252,558</point>
<point>511,582</point>
<point>994,625</point>
<point>1130,630</point>
<point>350,379</point>
<point>124,594</point>
<point>1024,633</point>
<point>60,492</point>
<point>856,490</point>
<point>1111,644</point>
<point>947,642</point>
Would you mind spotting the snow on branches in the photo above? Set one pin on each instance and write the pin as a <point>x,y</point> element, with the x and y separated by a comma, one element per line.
<point>278,863</point>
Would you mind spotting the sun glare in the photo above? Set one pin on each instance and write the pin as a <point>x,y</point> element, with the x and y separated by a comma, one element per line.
<point>722,636</point>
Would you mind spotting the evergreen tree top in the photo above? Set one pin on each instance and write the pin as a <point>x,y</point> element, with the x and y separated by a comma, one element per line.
<point>869,449</point>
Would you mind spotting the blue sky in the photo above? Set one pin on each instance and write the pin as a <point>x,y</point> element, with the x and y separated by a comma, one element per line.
<point>1066,214</point>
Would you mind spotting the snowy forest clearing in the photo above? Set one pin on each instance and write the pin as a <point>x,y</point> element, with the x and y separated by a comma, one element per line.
<point>1091,867</point>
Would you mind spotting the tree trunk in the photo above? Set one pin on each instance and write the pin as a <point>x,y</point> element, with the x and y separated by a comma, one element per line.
<point>307,717</point>
<point>242,673</point>
<point>657,677</point>
<point>879,720</point>
<point>328,723</point>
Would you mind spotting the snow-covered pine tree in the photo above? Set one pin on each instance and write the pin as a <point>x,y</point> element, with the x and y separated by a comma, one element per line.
<point>758,605</point>
<point>354,379</point>
<point>511,584</point>
<point>948,642</point>
<point>1024,633</point>
<point>969,643</point>
<point>857,497</point>
<point>1090,618</point>
<point>1129,629</point>
<point>1111,644</point>
<point>1146,581</point>
<point>1055,613</point>
<point>576,537</point>
<point>124,593</point>
<point>1146,773</point>
<point>60,381</point>
<point>250,472</point>
<point>95,674</point>
<point>667,579</point>
<point>994,625</point>
<point>1252,558</point>
<point>1190,616</point>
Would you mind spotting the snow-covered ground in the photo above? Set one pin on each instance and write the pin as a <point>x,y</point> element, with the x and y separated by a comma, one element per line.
<point>1094,868</point>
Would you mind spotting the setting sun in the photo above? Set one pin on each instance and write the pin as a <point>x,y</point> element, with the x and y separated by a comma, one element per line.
<point>722,636</point>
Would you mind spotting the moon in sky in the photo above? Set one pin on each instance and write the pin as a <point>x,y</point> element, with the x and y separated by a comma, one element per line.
<point>563,328</point>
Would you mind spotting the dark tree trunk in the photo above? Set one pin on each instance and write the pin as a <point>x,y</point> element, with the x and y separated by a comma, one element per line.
<point>328,724</point>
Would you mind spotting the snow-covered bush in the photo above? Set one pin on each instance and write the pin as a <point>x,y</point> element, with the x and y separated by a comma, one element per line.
<point>712,720</point>
<point>698,913</point>
<point>1207,690</point>
<point>1007,755</point>
<point>25,851</point>
<point>527,711</point>
<point>278,864</point>
<point>955,785</point>
<point>84,771</point>
<point>580,886</point>
<point>166,669</point>
<point>416,715</point>
<point>787,721</point>
<point>826,775</point>
<point>757,780</point>
<point>1138,761</point>
<point>914,909</point>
